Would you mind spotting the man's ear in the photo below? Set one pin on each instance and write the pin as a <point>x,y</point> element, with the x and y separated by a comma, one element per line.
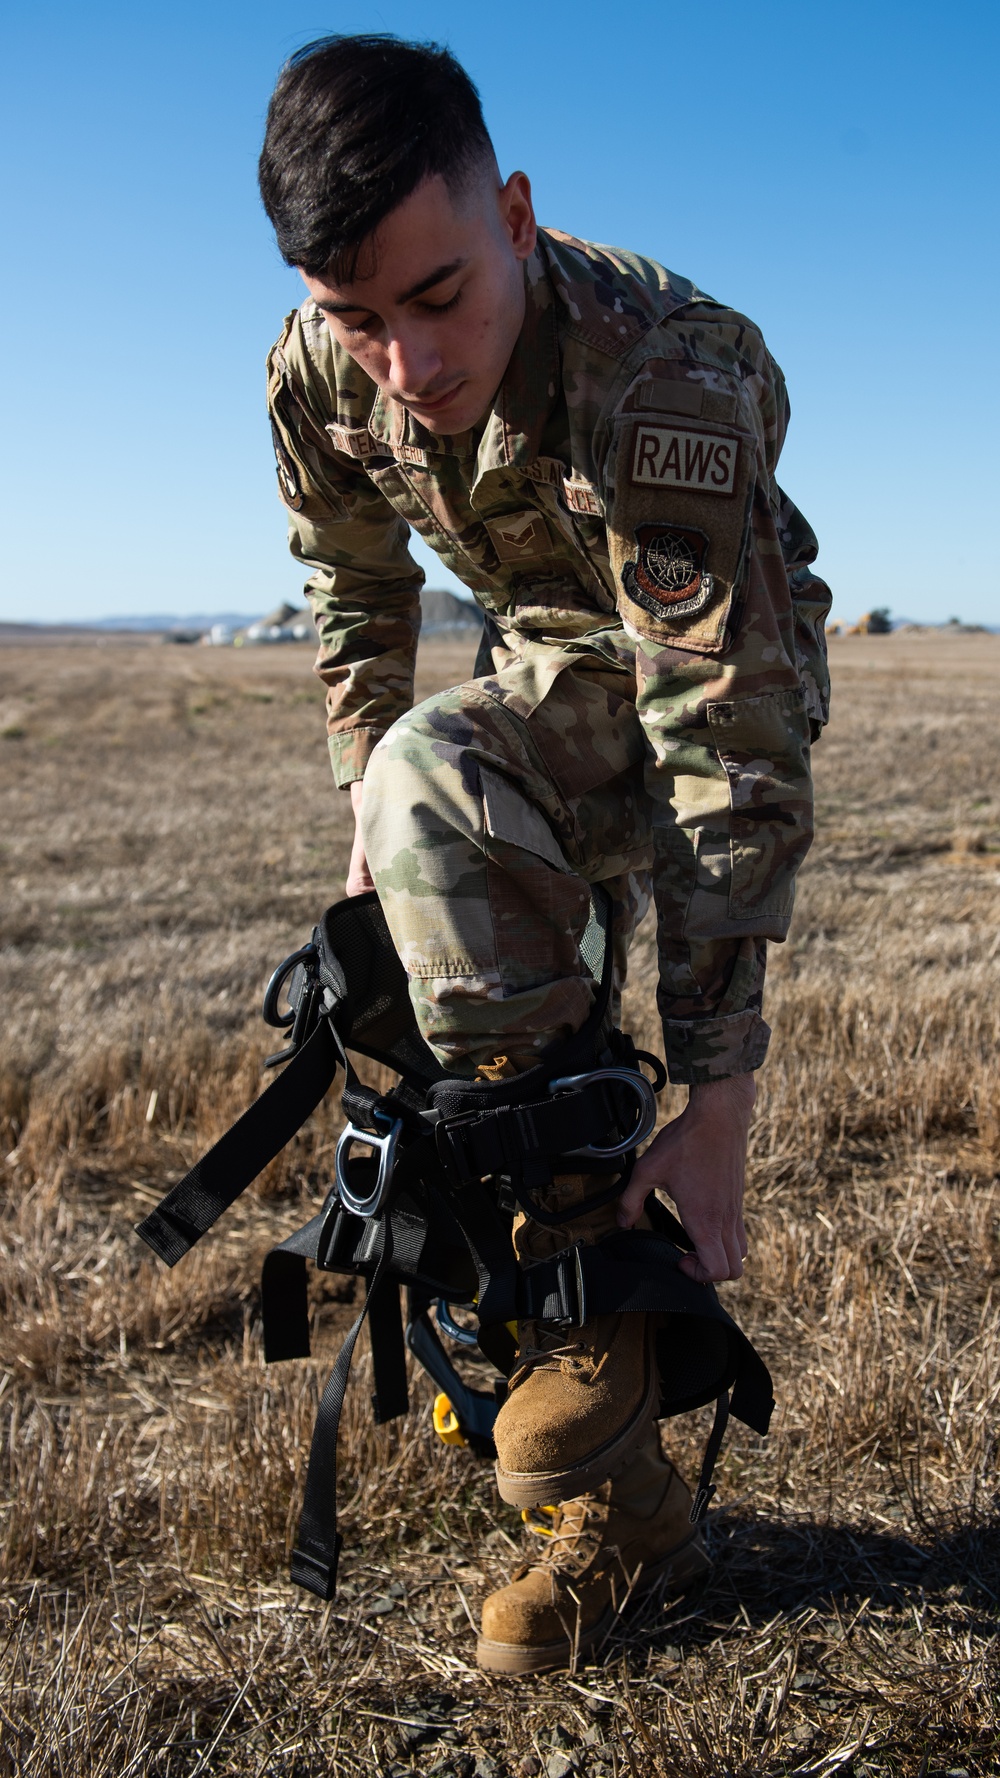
<point>517,213</point>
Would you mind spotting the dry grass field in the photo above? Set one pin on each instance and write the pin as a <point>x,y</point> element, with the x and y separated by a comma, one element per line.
<point>169,833</point>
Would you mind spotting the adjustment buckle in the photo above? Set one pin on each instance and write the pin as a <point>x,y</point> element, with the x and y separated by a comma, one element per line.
<point>646,1111</point>
<point>572,1285</point>
<point>386,1148</point>
<point>341,1245</point>
<point>570,1288</point>
<point>449,1141</point>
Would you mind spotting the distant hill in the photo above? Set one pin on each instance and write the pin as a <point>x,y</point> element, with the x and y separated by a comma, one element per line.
<point>441,611</point>
<point>169,620</point>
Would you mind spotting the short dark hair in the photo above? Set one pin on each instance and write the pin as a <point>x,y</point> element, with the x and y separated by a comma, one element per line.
<point>355,124</point>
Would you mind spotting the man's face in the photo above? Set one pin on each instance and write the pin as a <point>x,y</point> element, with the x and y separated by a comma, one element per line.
<point>436,319</point>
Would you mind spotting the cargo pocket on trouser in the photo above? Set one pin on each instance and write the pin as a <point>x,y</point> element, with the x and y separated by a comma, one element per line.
<point>763,744</point>
<point>539,903</point>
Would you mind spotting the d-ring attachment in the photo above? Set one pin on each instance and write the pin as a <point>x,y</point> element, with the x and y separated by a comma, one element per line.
<point>386,1146</point>
<point>646,1121</point>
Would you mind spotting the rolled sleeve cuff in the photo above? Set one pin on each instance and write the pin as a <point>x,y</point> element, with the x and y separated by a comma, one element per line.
<point>350,752</point>
<point>699,1050</point>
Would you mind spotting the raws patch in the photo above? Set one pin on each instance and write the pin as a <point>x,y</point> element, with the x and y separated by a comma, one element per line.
<point>667,457</point>
<point>667,577</point>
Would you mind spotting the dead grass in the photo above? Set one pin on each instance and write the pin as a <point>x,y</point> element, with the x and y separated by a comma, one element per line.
<point>168,833</point>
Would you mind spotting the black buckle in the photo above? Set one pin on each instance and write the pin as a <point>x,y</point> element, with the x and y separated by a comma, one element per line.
<point>572,1285</point>
<point>338,1248</point>
<point>568,1285</point>
<point>451,1148</point>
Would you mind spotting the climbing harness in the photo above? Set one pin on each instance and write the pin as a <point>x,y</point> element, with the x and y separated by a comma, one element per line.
<point>429,1207</point>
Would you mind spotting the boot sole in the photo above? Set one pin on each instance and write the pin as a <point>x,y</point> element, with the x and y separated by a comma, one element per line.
<point>686,1564</point>
<point>547,1487</point>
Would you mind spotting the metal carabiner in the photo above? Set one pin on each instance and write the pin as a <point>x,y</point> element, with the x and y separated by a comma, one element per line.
<point>271,1015</point>
<point>386,1146</point>
<point>463,1336</point>
<point>643,1091</point>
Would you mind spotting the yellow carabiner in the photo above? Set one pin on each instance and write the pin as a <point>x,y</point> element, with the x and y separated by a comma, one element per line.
<point>529,1519</point>
<point>446,1422</point>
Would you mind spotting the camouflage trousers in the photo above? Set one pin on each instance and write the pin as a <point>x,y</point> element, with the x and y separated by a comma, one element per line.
<point>488,811</point>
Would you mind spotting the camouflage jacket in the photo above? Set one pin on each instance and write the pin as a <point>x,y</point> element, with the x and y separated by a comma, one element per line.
<point>618,501</point>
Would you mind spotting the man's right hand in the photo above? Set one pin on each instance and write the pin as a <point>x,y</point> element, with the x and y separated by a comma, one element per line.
<point>359,878</point>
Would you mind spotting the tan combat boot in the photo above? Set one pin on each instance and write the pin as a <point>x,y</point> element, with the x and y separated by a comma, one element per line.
<point>580,1400</point>
<point>603,1551</point>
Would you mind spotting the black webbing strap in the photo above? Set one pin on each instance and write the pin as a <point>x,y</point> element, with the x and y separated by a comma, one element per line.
<point>216,1181</point>
<point>637,1272</point>
<point>285,1315</point>
<point>317,1548</point>
<point>284,1296</point>
<point>631,1272</point>
<point>706,1486</point>
<point>385,1328</point>
<point>487,1235</point>
<point>508,1139</point>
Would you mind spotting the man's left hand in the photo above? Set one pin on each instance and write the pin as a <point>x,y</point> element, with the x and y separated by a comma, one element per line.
<point>699,1160</point>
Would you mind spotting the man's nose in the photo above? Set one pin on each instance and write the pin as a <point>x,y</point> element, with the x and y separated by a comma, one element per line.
<point>414,365</point>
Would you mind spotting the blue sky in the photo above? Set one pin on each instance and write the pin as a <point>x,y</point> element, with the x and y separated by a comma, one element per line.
<point>829,168</point>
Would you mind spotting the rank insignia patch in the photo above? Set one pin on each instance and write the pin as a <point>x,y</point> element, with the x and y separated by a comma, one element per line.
<point>667,577</point>
<point>289,485</point>
<point>519,536</point>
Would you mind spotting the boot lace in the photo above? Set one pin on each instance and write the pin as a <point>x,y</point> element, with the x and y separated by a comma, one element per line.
<point>548,1357</point>
<point>573,1533</point>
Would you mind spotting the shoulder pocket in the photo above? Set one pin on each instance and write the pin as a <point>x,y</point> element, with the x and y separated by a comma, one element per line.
<point>301,452</point>
<point>680,526</point>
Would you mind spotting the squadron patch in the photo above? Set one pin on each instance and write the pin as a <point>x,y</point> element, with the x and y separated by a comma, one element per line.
<point>289,486</point>
<point>519,536</point>
<point>667,577</point>
<point>666,457</point>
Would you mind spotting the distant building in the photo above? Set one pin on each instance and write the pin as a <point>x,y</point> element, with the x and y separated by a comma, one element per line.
<point>444,613</point>
<point>287,623</point>
<point>874,623</point>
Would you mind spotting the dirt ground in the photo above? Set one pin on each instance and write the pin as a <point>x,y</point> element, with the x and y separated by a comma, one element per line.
<point>169,832</point>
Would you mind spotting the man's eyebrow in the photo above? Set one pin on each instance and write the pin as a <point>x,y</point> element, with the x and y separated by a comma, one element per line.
<point>436,277</point>
<point>341,308</point>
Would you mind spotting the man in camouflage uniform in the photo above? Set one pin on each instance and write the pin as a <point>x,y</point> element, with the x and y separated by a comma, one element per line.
<point>590,443</point>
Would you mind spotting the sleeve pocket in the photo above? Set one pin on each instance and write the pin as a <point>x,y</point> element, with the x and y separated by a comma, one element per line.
<point>763,744</point>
